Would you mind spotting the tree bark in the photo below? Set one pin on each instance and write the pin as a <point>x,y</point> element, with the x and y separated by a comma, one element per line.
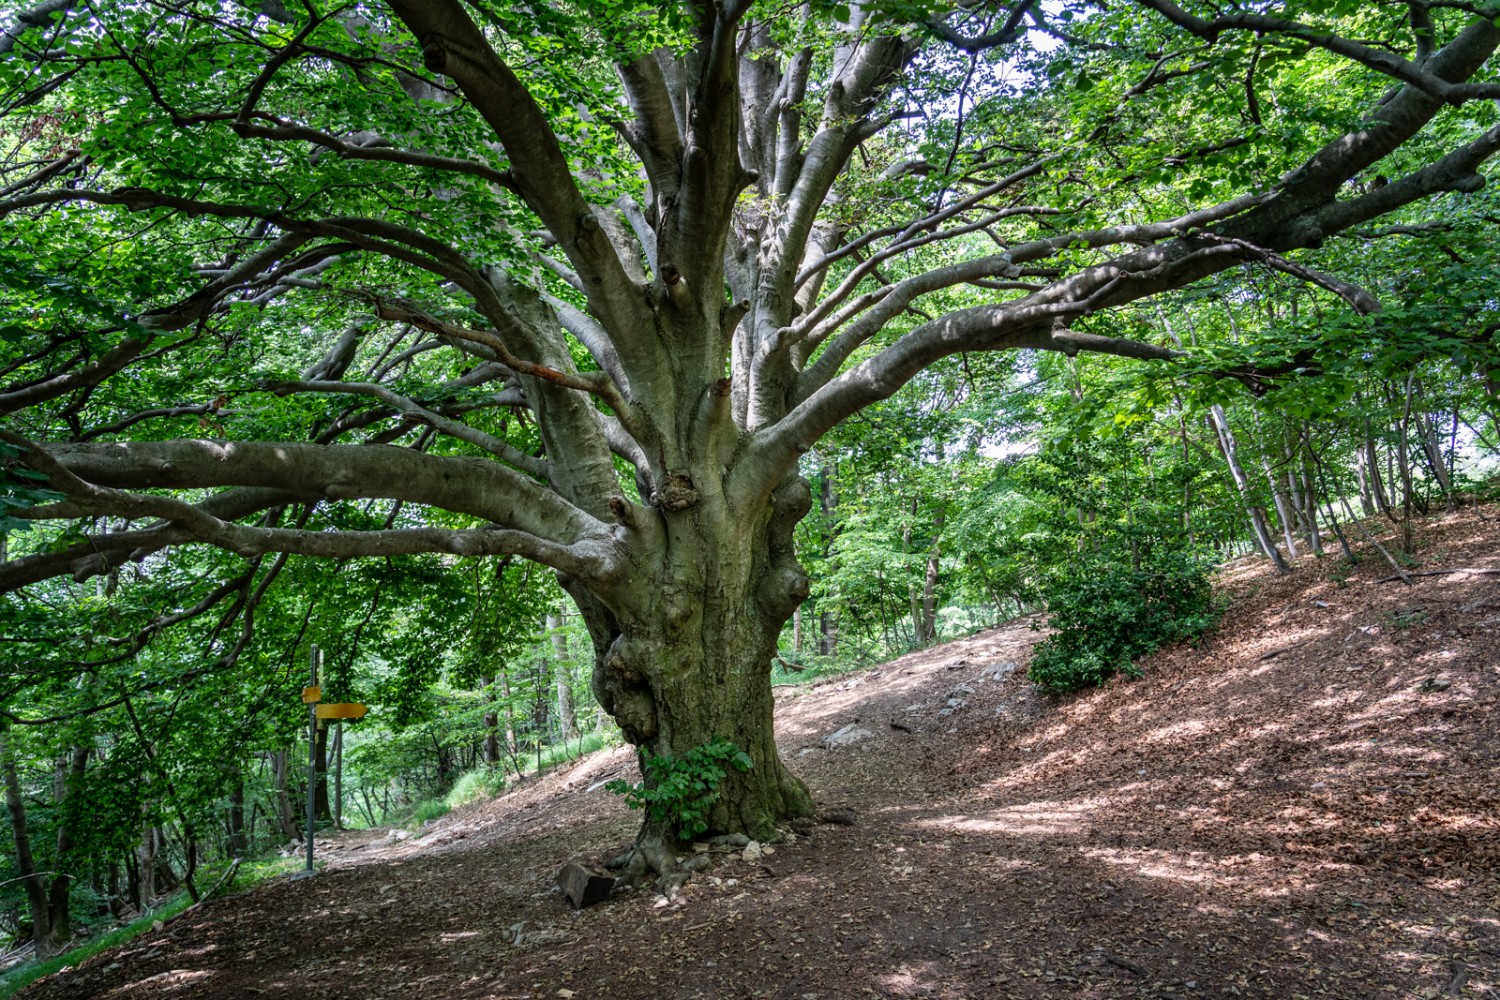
<point>237,843</point>
<point>1242,484</point>
<point>286,819</point>
<point>321,809</point>
<point>928,633</point>
<point>688,660</point>
<point>46,900</point>
<point>491,724</point>
<point>567,718</point>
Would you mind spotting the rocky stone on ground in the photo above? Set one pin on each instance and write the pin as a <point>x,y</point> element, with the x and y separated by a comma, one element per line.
<point>584,886</point>
<point>852,733</point>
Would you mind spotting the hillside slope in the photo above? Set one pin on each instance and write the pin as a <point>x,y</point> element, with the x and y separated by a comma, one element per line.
<point>1305,807</point>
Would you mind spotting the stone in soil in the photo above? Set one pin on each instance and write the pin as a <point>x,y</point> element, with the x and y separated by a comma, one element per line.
<point>584,886</point>
<point>851,733</point>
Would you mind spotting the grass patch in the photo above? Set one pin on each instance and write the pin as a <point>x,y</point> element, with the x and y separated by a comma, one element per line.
<point>249,873</point>
<point>816,668</point>
<point>587,743</point>
<point>480,783</point>
<point>429,809</point>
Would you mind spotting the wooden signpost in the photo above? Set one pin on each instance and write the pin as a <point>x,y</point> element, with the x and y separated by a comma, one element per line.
<point>312,697</point>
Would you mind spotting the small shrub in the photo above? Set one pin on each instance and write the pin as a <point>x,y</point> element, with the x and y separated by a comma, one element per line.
<point>1104,615</point>
<point>1408,618</point>
<point>679,791</point>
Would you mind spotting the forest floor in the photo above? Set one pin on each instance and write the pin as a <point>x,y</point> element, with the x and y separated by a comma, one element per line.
<point>1304,807</point>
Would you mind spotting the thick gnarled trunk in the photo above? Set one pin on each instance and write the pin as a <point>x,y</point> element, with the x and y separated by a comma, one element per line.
<point>684,654</point>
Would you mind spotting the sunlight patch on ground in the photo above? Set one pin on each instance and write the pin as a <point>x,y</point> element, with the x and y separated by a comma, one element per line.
<point>910,979</point>
<point>1041,817</point>
<point>1157,864</point>
<point>1200,870</point>
<point>164,982</point>
<point>1187,727</point>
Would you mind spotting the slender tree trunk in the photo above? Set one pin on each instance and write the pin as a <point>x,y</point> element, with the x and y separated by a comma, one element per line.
<point>321,809</point>
<point>912,593</point>
<point>828,629</point>
<point>1242,483</point>
<point>1371,462</point>
<point>338,776</point>
<point>145,858</point>
<point>491,726</point>
<point>286,819</point>
<point>508,714</point>
<point>567,719</point>
<point>929,589</point>
<point>1403,457</point>
<point>1278,497</point>
<point>237,843</point>
<point>1310,503</point>
<point>1366,489</point>
<point>1432,448</point>
<point>47,900</point>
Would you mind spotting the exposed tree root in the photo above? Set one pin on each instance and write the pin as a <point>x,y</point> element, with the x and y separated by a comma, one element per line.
<point>651,855</point>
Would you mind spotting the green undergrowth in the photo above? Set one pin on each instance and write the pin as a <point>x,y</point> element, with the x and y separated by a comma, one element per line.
<point>483,782</point>
<point>1104,614</point>
<point>249,873</point>
<point>809,667</point>
<point>680,791</point>
<point>563,753</point>
<point>480,783</point>
<point>814,668</point>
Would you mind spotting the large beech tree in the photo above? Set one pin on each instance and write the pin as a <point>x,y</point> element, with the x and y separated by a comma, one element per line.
<point>581,282</point>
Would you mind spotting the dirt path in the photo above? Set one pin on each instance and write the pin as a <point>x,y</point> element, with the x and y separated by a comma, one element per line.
<point>1305,808</point>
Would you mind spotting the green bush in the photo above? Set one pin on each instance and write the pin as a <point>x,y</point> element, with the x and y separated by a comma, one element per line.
<point>679,791</point>
<point>1105,614</point>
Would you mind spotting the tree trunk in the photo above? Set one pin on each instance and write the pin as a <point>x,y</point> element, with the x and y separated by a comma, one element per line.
<point>491,727</point>
<point>320,788</point>
<point>47,901</point>
<point>145,861</point>
<point>1242,484</point>
<point>286,820</point>
<point>929,589</point>
<point>567,719</point>
<point>338,776</point>
<point>1283,508</point>
<point>238,845</point>
<point>828,634</point>
<point>688,660</point>
<point>508,711</point>
<point>1403,456</point>
<point>1432,448</point>
<point>828,501</point>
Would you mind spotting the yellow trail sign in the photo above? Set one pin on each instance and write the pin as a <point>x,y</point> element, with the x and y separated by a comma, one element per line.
<point>351,710</point>
<point>311,695</point>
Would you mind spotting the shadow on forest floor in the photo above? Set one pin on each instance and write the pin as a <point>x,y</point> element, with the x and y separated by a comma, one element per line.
<point>1307,806</point>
